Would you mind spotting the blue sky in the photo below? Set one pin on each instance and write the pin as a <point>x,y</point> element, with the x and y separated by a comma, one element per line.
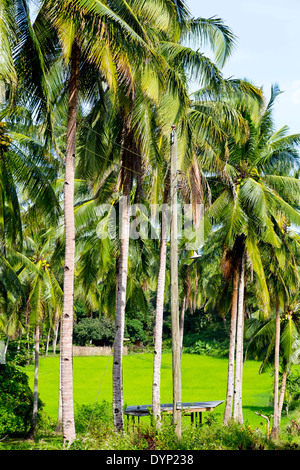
<point>267,50</point>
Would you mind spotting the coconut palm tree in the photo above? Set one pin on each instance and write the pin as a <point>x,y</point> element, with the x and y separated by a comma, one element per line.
<point>165,18</point>
<point>262,334</point>
<point>281,267</point>
<point>253,199</point>
<point>131,139</point>
<point>107,37</point>
<point>44,299</point>
<point>27,175</point>
<point>212,115</point>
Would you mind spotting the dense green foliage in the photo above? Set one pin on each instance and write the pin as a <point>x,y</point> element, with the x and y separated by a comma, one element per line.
<point>94,426</point>
<point>91,92</point>
<point>97,331</point>
<point>16,400</point>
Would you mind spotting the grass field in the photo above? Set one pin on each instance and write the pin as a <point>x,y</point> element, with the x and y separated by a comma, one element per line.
<point>203,379</point>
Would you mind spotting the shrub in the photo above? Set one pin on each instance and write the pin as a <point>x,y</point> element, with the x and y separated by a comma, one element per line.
<point>20,350</point>
<point>96,419</point>
<point>208,348</point>
<point>135,331</point>
<point>99,331</point>
<point>16,399</point>
<point>212,435</point>
<point>292,394</point>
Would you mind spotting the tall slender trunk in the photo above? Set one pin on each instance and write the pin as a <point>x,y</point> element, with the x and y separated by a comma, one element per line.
<point>67,316</point>
<point>197,215</point>
<point>237,403</point>
<point>181,322</point>
<point>120,315</point>
<point>230,377</point>
<point>47,343</point>
<point>59,415</point>
<point>28,348</point>
<point>126,179</point>
<point>282,392</point>
<point>197,193</point>
<point>55,336</point>
<point>31,433</point>
<point>240,407</point>
<point>36,377</point>
<point>5,348</point>
<point>275,427</point>
<point>160,306</point>
<point>176,356</point>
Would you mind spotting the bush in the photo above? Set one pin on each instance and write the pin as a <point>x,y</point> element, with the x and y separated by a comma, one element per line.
<point>16,400</point>
<point>134,330</point>
<point>211,435</point>
<point>95,419</point>
<point>99,331</point>
<point>20,350</point>
<point>208,348</point>
<point>292,394</point>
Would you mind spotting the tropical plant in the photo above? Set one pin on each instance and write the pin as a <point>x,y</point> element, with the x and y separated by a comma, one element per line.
<point>135,116</point>
<point>246,211</point>
<point>43,295</point>
<point>262,336</point>
<point>78,25</point>
<point>16,401</point>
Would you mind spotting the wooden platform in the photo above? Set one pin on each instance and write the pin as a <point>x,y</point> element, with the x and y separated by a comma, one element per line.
<point>190,408</point>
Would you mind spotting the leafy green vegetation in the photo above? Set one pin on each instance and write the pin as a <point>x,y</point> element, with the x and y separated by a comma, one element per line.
<point>100,141</point>
<point>16,399</point>
<point>94,427</point>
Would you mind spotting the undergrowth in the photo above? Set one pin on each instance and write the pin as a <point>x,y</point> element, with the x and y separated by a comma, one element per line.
<point>94,431</point>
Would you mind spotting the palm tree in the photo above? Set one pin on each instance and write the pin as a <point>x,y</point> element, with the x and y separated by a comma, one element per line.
<point>101,9</point>
<point>43,293</point>
<point>253,199</point>
<point>212,116</point>
<point>27,175</point>
<point>283,280</point>
<point>186,62</point>
<point>261,334</point>
<point>91,33</point>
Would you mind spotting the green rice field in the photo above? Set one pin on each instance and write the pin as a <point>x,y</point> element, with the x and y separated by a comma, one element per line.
<point>203,379</point>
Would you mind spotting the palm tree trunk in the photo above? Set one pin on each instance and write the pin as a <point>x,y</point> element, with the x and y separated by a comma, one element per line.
<point>67,317</point>
<point>159,309</point>
<point>47,343</point>
<point>181,321</point>
<point>125,183</point>
<point>36,377</point>
<point>275,427</point>
<point>176,357</point>
<point>36,383</point>
<point>5,348</point>
<point>240,407</point>
<point>237,403</point>
<point>58,428</point>
<point>120,315</point>
<point>55,335</point>
<point>282,393</point>
<point>230,377</point>
<point>28,348</point>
